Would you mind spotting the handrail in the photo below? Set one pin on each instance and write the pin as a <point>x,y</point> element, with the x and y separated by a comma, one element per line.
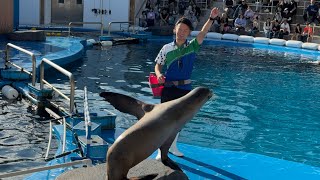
<point>101,26</point>
<point>116,22</point>
<point>33,58</point>
<point>88,162</point>
<point>87,121</point>
<point>56,117</point>
<point>63,71</point>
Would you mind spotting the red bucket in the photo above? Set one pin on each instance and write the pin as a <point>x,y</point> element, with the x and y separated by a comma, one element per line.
<point>155,86</point>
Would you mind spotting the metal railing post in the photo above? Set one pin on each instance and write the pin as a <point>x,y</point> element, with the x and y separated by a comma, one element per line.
<point>70,23</point>
<point>115,22</point>
<point>33,59</point>
<point>65,72</point>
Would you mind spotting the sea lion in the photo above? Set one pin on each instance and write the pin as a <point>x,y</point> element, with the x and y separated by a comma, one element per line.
<point>157,126</point>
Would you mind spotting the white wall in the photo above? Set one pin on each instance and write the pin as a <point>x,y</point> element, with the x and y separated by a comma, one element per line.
<point>119,12</point>
<point>47,11</point>
<point>29,12</point>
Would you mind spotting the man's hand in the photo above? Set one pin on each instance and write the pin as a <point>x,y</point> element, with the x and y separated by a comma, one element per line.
<point>214,12</point>
<point>161,79</point>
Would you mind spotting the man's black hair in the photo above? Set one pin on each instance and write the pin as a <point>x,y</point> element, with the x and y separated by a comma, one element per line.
<point>186,22</point>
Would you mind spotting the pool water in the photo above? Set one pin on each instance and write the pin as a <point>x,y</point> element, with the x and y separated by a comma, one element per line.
<point>265,101</point>
<point>23,137</point>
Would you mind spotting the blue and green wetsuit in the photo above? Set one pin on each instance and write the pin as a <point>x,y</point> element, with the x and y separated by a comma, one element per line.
<point>179,63</point>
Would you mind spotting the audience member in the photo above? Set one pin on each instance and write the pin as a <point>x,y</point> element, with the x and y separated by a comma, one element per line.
<point>293,6</point>
<point>151,18</point>
<point>197,11</point>
<point>223,20</point>
<point>311,12</point>
<point>297,32</point>
<point>287,15</point>
<point>172,6</point>
<point>255,27</point>
<point>164,17</point>
<point>240,24</point>
<point>229,3</point>
<point>267,4</point>
<point>248,15</point>
<point>307,33</point>
<point>277,16</point>
<point>227,29</point>
<point>240,9</point>
<point>284,29</point>
<point>267,27</point>
<point>148,4</point>
<point>275,29</point>
<point>143,19</point>
<point>216,24</point>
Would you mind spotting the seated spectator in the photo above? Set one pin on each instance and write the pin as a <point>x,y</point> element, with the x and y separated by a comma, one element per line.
<point>188,13</point>
<point>216,24</point>
<point>248,15</point>
<point>275,29</point>
<point>284,29</point>
<point>297,33</point>
<point>227,29</point>
<point>228,3</point>
<point>229,12</point>
<point>267,26</point>
<point>148,4</point>
<point>240,9</point>
<point>311,12</point>
<point>280,6</point>
<point>164,17</point>
<point>240,24</point>
<point>277,16</point>
<point>143,19</point>
<point>151,16</point>
<point>255,28</point>
<point>223,20</point>
<point>197,11</point>
<point>307,33</point>
<point>287,15</point>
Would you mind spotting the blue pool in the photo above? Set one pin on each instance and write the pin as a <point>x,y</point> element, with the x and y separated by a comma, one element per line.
<point>266,99</point>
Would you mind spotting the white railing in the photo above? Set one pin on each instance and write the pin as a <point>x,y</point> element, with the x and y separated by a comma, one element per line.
<point>87,162</point>
<point>120,22</point>
<point>87,120</point>
<point>33,58</point>
<point>64,136</point>
<point>101,26</point>
<point>65,72</point>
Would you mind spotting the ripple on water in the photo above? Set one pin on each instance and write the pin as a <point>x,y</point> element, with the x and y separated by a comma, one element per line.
<point>23,139</point>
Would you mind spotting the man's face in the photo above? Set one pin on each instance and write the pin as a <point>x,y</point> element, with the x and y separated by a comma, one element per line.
<point>182,32</point>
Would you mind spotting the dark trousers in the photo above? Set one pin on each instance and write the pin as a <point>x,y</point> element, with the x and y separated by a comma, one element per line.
<point>171,93</point>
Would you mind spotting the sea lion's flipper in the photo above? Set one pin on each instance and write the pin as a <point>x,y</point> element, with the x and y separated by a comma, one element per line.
<point>168,162</point>
<point>127,104</point>
<point>164,154</point>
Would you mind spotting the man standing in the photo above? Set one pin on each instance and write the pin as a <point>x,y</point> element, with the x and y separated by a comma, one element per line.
<point>178,56</point>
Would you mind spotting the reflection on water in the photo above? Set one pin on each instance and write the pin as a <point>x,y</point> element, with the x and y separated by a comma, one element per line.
<point>23,138</point>
<point>264,101</point>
